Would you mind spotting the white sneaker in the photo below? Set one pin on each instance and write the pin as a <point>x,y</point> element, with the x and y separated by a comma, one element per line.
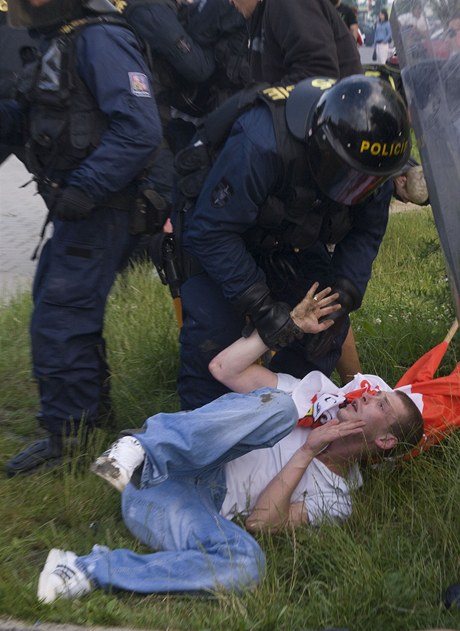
<point>117,464</point>
<point>61,577</point>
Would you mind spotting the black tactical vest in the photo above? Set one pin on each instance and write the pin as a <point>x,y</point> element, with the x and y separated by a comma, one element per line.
<point>65,123</point>
<point>296,215</point>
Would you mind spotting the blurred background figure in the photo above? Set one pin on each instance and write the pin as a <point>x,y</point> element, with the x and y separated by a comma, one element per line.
<point>348,15</point>
<point>383,37</point>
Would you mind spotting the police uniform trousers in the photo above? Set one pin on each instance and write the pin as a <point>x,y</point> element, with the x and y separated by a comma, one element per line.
<point>76,270</point>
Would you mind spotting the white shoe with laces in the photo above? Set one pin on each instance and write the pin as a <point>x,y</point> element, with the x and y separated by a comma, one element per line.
<point>61,578</point>
<point>117,464</point>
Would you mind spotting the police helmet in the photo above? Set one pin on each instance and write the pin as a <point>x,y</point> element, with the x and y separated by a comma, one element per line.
<point>23,14</point>
<point>357,134</point>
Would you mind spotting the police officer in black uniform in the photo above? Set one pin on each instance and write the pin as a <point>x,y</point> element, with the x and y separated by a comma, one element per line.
<point>303,168</point>
<point>87,111</point>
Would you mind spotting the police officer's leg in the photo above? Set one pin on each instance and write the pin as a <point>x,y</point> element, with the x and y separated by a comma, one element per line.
<point>210,324</point>
<point>75,273</point>
<point>348,364</point>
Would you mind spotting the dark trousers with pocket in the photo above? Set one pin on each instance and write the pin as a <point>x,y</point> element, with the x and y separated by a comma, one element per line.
<point>75,273</point>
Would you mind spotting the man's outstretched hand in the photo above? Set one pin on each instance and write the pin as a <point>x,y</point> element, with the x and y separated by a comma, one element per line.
<point>314,306</point>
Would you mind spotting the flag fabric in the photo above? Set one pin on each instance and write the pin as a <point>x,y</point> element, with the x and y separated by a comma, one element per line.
<point>440,396</point>
<point>318,399</point>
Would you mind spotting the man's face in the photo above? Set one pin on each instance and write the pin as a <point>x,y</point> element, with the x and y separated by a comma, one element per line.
<point>378,411</point>
<point>245,7</point>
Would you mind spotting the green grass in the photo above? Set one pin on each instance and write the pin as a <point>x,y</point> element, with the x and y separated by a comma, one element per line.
<point>384,570</point>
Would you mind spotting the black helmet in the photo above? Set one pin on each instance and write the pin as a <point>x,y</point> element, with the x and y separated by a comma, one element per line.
<point>21,13</point>
<point>357,136</point>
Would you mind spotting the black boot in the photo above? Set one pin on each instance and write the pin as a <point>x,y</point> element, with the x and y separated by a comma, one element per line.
<point>47,451</point>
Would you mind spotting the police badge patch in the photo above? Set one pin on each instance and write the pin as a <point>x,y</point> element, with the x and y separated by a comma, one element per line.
<point>139,84</point>
<point>221,193</point>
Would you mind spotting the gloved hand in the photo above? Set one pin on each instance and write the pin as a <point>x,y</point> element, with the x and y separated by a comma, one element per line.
<point>272,319</point>
<point>349,299</point>
<point>73,204</point>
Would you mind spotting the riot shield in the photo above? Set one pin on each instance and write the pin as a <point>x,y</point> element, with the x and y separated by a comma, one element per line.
<point>428,47</point>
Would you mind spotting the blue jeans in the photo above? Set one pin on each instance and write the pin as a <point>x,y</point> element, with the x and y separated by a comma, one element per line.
<point>176,506</point>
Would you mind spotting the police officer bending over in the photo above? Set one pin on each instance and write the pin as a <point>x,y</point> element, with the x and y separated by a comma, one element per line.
<point>92,126</point>
<point>303,168</point>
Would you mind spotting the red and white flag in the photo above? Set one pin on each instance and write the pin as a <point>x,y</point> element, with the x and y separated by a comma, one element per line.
<point>440,397</point>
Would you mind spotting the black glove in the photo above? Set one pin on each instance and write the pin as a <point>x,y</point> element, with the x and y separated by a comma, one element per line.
<point>272,319</point>
<point>73,204</point>
<point>349,299</point>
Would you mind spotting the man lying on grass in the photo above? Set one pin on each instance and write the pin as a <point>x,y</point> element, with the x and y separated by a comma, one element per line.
<point>185,475</point>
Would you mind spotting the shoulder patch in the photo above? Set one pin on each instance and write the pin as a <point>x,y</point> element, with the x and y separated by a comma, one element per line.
<point>222,193</point>
<point>139,84</point>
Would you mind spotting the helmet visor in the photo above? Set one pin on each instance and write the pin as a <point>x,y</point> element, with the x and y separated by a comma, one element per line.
<point>337,179</point>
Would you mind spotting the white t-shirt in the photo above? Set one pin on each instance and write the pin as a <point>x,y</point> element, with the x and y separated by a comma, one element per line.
<point>324,493</point>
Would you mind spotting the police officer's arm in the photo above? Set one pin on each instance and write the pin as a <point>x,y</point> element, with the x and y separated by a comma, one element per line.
<point>304,33</point>
<point>352,263</point>
<point>244,175</point>
<point>159,25</point>
<point>235,367</point>
<point>273,509</point>
<point>354,255</point>
<point>112,67</point>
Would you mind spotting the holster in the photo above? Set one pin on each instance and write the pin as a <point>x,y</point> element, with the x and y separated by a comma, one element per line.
<point>149,213</point>
<point>164,252</point>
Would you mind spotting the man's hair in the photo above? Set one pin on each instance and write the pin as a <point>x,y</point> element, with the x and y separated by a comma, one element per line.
<point>407,428</point>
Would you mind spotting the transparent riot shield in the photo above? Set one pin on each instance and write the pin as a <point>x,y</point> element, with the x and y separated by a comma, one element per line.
<point>427,38</point>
